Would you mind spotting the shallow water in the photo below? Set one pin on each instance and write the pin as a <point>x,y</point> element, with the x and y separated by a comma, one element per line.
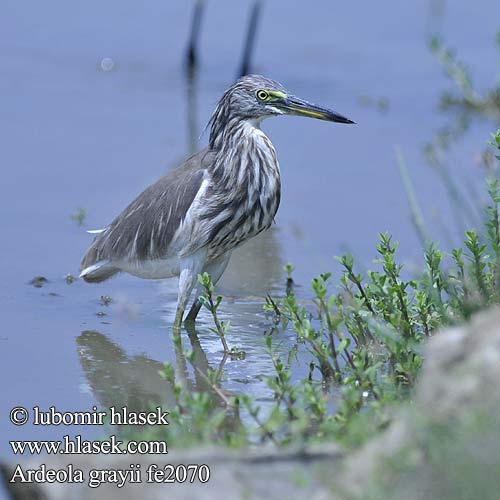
<point>74,135</point>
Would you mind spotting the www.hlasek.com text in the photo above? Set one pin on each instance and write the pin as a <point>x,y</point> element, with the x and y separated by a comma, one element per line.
<point>76,445</point>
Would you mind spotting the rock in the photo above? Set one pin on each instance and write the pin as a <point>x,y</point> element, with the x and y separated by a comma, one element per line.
<point>446,444</point>
<point>462,368</point>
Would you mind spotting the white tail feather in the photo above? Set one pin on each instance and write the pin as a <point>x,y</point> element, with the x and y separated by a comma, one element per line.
<point>99,271</point>
<point>94,267</point>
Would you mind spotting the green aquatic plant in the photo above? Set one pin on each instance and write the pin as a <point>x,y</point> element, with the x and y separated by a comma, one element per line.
<point>468,97</point>
<point>363,343</point>
<point>361,340</point>
<point>70,279</point>
<point>105,300</point>
<point>212,303</point>
<point>496,142</point>
<point>79,216</point>
<point>466,102</point>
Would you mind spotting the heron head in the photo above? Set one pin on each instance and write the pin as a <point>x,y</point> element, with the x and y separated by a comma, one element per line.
<point>254,97</point>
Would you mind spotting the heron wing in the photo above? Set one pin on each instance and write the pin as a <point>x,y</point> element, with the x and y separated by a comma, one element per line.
<point>145,229</point>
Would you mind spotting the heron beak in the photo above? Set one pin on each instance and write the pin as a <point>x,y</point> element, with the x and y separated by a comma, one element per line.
<point>294,106</point>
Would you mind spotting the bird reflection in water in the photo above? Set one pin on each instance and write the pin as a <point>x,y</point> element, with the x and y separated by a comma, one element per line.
<point>118,379</point>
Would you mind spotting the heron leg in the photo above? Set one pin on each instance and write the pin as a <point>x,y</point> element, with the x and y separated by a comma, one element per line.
<point>190,268</point>
<point>187,280</point>
<point>216,268</point>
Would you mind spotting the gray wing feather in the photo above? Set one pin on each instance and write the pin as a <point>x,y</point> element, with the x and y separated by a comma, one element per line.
<point>145,229</point>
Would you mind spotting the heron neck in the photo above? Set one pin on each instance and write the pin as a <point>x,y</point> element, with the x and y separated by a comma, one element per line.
<point>223,134</point>
<point>243,150</point>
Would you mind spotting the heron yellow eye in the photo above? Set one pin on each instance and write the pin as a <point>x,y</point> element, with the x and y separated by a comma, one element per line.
<point>262,95</point>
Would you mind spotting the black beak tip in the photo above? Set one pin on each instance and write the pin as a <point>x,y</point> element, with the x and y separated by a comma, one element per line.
<point>342,119</point>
